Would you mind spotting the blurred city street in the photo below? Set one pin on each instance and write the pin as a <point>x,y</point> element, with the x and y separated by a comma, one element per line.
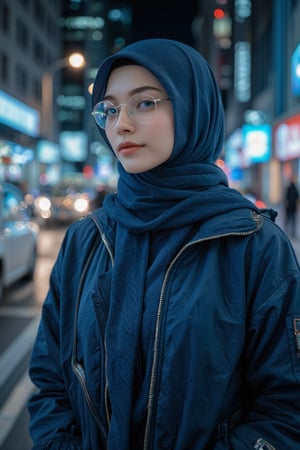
<point>19,318</point>
<point>296,245</point>
<point>280,221</point>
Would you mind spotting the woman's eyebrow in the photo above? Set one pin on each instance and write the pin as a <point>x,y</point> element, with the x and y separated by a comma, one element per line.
<point>137,90</point>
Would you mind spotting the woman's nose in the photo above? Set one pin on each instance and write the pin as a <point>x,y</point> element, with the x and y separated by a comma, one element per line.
<point>124,120</point>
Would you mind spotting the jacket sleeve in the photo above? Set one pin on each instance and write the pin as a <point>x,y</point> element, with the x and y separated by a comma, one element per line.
<point>270,418</point>
<point>52,423</point>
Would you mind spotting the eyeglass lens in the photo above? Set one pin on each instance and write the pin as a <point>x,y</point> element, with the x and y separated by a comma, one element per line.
<point>140,108</point>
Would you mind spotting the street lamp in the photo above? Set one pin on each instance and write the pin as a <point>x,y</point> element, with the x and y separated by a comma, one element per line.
<point>76,61</point>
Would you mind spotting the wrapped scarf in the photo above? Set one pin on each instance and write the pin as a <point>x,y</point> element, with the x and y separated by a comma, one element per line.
<point>187,189</point>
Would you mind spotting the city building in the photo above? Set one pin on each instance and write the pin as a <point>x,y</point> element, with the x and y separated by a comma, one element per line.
<point>30,41</point>
<point>254,49</point>
<point>96,29</point>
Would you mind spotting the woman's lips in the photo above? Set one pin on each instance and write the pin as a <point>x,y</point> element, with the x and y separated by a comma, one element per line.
<point>128,147</point>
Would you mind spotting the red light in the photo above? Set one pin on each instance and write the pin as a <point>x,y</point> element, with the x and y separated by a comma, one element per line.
<point>219,13</point>
<point>88,171</point>
<point>260,204</point>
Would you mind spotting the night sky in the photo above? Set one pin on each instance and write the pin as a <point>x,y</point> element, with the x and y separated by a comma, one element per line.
<point>164,19</point>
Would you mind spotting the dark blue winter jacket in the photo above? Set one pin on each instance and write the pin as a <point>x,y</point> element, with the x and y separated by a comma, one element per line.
<point>225,350</point>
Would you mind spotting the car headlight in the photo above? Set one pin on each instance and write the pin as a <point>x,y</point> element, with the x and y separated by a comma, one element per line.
<point>81,204</point>
<point>43,203</point>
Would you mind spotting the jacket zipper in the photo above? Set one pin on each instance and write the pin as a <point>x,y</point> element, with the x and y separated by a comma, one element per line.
<point>77,368</point>
<point>106,393</point>
<point>153,379</point>
<point>79,372</point>
<point>261,444</point>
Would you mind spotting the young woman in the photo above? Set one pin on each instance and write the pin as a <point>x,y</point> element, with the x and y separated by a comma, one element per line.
<point>173,314</point>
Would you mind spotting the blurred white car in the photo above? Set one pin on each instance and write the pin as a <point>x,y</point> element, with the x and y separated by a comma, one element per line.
<point>18,237</point>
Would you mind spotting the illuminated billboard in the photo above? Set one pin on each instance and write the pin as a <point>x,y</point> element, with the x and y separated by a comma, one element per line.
<point>74,146</point>
<point>256,143</point>
<point>287,138</point>
<point>18,115</point>
<point>295,71</point>
<point>48,152</point>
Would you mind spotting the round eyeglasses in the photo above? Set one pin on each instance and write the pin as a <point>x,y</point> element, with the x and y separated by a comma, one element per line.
<point>141,108</point>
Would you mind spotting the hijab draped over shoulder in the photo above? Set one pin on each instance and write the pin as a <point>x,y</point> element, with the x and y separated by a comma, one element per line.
<point>155,212</point>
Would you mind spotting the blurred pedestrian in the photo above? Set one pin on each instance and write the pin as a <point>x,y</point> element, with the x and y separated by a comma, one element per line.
<point>291,207</point>
<point>173,315</point>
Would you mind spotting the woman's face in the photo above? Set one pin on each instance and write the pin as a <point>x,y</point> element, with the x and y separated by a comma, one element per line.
<point>143,139</point>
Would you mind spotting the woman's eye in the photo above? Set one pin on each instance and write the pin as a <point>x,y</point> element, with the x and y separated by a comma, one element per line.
<point>110,112</point>
<point>145,104</point>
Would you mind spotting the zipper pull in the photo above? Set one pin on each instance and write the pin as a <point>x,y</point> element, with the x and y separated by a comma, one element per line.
<point>261,444</point>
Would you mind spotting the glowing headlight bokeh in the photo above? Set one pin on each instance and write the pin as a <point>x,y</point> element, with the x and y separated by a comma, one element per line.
<point>81,204</point>
<point>43,203</point>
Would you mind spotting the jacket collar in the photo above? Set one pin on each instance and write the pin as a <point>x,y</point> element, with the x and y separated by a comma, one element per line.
<point>238,222</point>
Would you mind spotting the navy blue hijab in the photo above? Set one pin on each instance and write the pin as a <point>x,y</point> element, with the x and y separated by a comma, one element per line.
<point>186,190</point>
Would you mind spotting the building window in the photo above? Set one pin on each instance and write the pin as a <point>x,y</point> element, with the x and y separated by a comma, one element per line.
<point>25,3</point>
<point>39,13</point>
<point>21,78</point>
<point>49,59</point>
<point>4,68</point>
<point>50,26</point>
<point>5,17</point>
<point>22,36</point>
<point>38,51</point>
<point>37,89</point>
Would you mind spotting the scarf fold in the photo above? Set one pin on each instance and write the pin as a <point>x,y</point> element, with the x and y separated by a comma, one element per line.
<point>123,331</point>
<point>162,200</point>
<point>187,189</point>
